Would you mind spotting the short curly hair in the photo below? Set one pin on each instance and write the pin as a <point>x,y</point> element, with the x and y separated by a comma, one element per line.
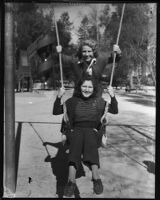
<point>90,43</point>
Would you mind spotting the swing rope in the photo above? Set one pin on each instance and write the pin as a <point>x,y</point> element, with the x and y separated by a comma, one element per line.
<point>114,55</point>
<point>39,137</point>
<point>65,116</point>
<point>111,79</point>
<point>60,55</point>
<point>104,120</point>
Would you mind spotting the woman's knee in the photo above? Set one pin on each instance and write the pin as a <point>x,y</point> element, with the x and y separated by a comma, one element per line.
<point>76,165</point>
<point>72,165</point>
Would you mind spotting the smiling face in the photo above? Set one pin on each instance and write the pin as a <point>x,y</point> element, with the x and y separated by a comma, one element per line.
<point>87,53</point>
<point>87,88</point>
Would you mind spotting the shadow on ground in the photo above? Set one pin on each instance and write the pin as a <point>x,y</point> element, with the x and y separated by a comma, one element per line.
<point>59,165</point>
<point>145,100</point>
<point>150,166</point>
<point>17,146</point>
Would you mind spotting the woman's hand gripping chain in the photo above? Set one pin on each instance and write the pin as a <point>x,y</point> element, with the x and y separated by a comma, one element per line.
<point>61,92</point>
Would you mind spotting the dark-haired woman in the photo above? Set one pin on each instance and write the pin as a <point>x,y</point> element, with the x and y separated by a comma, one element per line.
<point>84,111</point>
<point>87,62</point>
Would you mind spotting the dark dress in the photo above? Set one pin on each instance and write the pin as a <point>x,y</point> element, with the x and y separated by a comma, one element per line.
<point>78,68</point>
<point>84,117</point>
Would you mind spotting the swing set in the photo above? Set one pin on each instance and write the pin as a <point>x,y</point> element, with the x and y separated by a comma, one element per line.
<point>114,56</point>
<point>104,119</point>
<point>10,175</point>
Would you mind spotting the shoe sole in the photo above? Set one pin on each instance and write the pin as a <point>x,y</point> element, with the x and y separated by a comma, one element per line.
<point>68,197</point>
<point>98,195</point>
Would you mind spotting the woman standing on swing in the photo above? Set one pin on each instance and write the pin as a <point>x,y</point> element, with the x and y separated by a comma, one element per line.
<point>84,111</point>
<point>87,62</point>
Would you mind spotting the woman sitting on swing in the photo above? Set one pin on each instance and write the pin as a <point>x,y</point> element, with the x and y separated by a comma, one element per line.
<point>84,110</point>
<point>88,61</point>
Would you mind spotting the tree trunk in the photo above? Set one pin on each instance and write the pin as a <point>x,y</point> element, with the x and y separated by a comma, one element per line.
<point>131,79</point>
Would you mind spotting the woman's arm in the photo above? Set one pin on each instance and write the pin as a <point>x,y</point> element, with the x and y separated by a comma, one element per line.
<point>103,60</point>
<point>118,52</point>
<point>118,58</point>
<point>113,106</point>
<point>68,61</point>
<point>57,106</point>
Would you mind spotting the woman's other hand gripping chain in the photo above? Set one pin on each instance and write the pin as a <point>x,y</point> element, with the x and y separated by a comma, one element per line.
<point>104,119</point>
<point>61,92</point>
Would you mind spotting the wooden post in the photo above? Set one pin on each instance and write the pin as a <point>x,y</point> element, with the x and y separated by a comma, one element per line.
<point>9,137</point>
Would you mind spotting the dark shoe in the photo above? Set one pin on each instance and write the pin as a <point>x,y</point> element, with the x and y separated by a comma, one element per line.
<point>69,189</point>
<point>97,186</point>
<point>77,193</point>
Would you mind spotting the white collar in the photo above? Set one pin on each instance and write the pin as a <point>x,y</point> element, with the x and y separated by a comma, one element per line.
<point>92,62</point>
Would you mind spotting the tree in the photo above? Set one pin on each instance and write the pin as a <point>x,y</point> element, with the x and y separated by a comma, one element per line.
<point>91,26</point>
<point>94,20</point>
<point>30,24</point>
<point>64,28</point>
<point>104,19</point>
<point>152,43</point>
<point>83,31</point>
<point>133,37</point>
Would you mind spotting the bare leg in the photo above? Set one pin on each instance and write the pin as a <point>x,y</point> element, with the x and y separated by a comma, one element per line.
<point>97,183</point>
<point>71,187</point>
<point>95,173</point>
<point>72,174</point>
